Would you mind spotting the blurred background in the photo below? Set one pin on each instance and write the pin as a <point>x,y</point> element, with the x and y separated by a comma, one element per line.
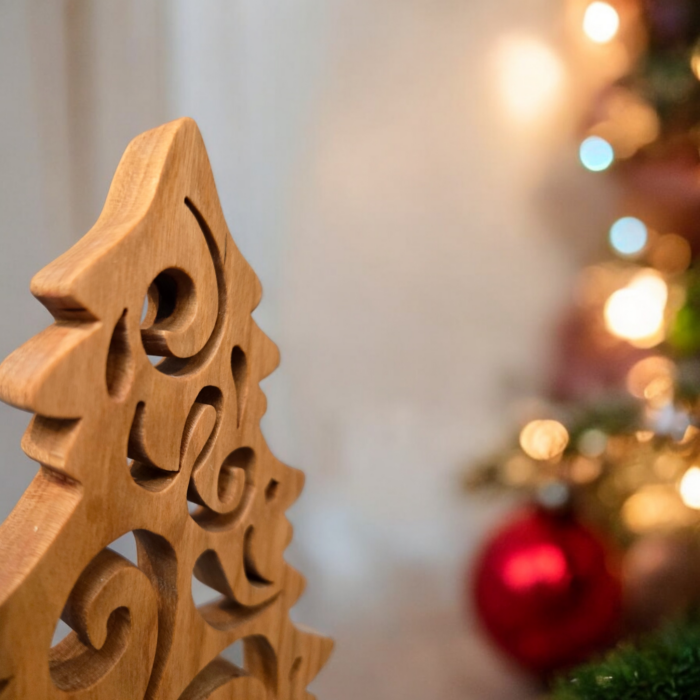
<point>405,176</point>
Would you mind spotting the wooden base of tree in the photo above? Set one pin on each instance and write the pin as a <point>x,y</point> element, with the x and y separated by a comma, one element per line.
<point>171,452</point>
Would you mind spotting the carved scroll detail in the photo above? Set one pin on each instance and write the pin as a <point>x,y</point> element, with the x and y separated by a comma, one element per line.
<point>147,420</point>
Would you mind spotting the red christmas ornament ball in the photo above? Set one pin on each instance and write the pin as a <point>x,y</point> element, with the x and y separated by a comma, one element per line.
<point>547,591</point>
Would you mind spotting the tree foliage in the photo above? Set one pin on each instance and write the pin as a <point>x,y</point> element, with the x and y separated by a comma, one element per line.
<point>663,666</point>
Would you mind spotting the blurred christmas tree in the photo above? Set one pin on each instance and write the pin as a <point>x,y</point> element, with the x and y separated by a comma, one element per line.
<point>664,666</point>
<point>607,546</point>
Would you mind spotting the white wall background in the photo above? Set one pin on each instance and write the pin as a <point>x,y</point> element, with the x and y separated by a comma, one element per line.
<point>368,173</point>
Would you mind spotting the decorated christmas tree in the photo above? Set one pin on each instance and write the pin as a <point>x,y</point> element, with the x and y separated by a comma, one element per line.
<point>604,549</point>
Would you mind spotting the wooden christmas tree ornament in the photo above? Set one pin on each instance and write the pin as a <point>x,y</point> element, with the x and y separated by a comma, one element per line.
<point>172,453</point>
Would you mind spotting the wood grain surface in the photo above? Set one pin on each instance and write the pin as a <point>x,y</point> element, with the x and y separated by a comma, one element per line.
<point>147,406</point>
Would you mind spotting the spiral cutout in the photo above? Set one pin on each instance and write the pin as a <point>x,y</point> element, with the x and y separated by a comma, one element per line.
<point>224,490</point>
<point>113,611</point>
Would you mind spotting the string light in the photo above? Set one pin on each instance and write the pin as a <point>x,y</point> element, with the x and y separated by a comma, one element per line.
<point>695,61</point>
<point>690,488</point>
<point>628,122</point>
<point>654,508</point>
<point>671,253</point>
<point>601,22</point>
<point>583,470</point>
<point>530,76</point>
<point>636,312</point>
<point>544,439</point>
<point>518,470</point>
<point>596,154</point>
<point>628,236</point>
<point>668,466</point>
<point>652,379</point>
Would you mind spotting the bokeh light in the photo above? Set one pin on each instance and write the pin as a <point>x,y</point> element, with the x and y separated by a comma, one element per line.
<point>636,312</point>
<point>671,254</point>
<point>695,61</point>
<point>690,436</point>
<point>518,470</point>
<point>644,436</point>
<point>583,470</point>
<point>628,122</point>
<point>628,236</point>
<point>668,466</point>
<point>544,439</point>
<point>601,22</point>
<point>596,283</point>
<point>553,494</point>
<point>592,443</point>
<point>596,154</point>
<point>652,379</point>
<point>530,74</point>
<point>690,488</point>
<point>654,508</point>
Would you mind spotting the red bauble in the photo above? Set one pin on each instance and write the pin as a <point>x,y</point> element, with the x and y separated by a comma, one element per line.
<point>547,590</point>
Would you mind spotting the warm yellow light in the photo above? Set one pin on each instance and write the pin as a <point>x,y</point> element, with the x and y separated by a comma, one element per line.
<point>667,466</point>
<point>650,376</point>
<point>690,435</point>
<point>583,470</point>
<point>628,123</point>
<point>654,508</point>
<point>544,439</point>
<point>601,22</point>
<point>530,77</point>
<point>636,312</point>
<point>518,470</point>
<point>644,435</point>
<point>695,61</point>
<point>671,254</point>
<point>690,488</point>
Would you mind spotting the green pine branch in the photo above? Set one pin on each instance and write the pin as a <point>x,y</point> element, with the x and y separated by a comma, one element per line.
<point>664,666</point>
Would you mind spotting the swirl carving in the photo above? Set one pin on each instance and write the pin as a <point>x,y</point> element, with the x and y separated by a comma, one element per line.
<point>113,611</point>
<point>147,406</point>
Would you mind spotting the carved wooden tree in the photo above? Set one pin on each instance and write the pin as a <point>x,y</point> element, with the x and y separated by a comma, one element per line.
<point>125,446</point>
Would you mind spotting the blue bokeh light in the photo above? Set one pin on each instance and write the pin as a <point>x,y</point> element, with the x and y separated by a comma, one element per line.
<point>596,154</point>
<point>628,236</point>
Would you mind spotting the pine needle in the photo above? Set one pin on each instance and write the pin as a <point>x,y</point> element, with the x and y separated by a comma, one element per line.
<point>663,666</point>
